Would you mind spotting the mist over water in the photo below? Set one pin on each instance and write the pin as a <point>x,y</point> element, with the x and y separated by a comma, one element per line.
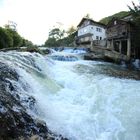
<point>76,100</point>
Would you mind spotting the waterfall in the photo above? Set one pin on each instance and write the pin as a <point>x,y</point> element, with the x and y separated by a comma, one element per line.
<point>79,99</point>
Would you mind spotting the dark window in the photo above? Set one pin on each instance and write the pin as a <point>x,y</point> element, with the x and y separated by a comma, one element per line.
<point>98,29</point>
<point>116,45</point>
<point>124,47</point>
<point>97,37</point>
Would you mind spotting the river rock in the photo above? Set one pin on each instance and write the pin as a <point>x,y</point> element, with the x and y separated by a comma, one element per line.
<point>93,56</point>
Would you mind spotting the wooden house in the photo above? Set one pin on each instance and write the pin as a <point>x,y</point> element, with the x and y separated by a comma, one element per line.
<point>121,37</point>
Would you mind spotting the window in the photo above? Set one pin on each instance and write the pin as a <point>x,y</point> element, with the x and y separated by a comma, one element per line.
<point>98,29</point>
<point>97,37</point>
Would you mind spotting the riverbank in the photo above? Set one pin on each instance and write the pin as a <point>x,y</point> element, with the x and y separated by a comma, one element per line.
<point>131,65</point>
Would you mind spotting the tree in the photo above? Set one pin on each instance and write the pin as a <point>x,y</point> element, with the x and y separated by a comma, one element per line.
<point>56,37</point>
<point>27,43</point>
<point>56,33</point>
<point>71,30</point>
<point>51,42</point>
<point>135,12</point>
<point>17,39</point>
<point>5,39</point>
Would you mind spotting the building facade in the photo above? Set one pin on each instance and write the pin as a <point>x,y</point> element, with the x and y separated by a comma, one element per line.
<point>90,31</point>
<point>120,34</point>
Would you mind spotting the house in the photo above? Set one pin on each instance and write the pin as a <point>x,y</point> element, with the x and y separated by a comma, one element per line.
<point>120,34</point>
<point>90,31</point>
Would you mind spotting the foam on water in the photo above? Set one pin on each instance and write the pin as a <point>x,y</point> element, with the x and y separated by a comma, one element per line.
<point>93,107</point>
<point>79,103</point>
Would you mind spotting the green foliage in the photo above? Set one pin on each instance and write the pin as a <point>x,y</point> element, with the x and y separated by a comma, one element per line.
<point>135,12</point>
<point>119,15</point>
<point>5,39</point>
<point>17,39</point>
<point>26,43</point>
<point>55,37</point>
<point>69,40</point>
<point>56,33</point>
<point>11,39</point>
<point>71,30</point>
<point>51,42</point>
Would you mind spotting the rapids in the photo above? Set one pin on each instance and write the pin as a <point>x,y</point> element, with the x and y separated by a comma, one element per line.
<point>76,100</point>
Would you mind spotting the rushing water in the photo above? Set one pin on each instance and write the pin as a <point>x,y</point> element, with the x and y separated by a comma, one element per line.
<point>76,100</point>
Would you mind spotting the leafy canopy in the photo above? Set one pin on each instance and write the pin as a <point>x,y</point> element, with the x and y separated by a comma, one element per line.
<point>56,37</point>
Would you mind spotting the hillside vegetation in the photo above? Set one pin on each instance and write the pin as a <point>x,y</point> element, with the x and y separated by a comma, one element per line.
<point>117,15</point>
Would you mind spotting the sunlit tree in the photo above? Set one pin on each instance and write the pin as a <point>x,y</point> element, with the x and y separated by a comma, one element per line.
<point>71,30</point>
<point>56,33</point>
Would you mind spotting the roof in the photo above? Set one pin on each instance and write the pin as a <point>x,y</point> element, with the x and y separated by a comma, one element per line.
<point>95,22</point>
<point>117,19</point>
<point>127,17</point>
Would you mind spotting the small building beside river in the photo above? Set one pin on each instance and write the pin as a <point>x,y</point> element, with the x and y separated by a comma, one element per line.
<point>121,38</point>
<point>90,32</point>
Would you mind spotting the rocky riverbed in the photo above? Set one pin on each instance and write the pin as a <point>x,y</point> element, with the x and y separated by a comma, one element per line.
<point>111,70</point>
<point>120,73</point>
<point>16,121</point>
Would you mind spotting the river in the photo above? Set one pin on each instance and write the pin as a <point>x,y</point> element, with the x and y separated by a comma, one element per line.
<point>75,99</point>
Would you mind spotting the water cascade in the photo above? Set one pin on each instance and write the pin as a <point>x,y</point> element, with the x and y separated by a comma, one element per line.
<point>77,99</point>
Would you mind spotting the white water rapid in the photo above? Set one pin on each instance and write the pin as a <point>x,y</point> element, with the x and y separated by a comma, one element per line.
<point>75,100</point>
